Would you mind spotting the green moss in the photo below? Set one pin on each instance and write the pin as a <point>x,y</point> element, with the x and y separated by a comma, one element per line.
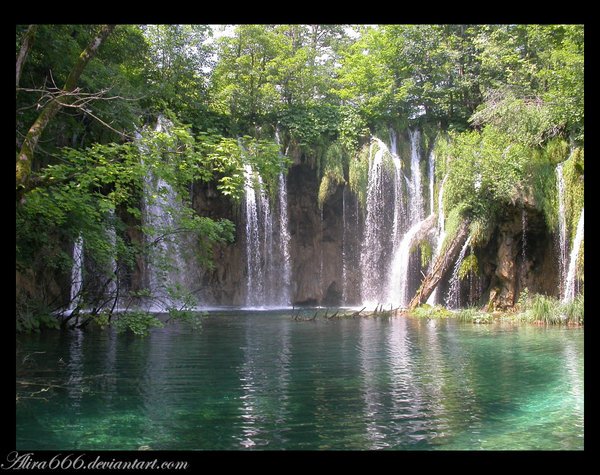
<point>556,150</point>
<point>403,146</point>
<point>474,315</point>
<point>358,174</point>
<point>453,220</point>
<point>542,183</point>
<point>426,253</point>
<point>574,190</point>
<point>326,189</point>
<point>579,265</point>
<point>481,230</point>
<point>469,264</point>
<point>427,311</point>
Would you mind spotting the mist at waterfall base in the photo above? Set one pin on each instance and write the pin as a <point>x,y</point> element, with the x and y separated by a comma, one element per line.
<point>400,199</point>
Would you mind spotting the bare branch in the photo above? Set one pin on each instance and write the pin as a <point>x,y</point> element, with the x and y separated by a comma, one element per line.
<point>26,154</point>
<point>122,134</point>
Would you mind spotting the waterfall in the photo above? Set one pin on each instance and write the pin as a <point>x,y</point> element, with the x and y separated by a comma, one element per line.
<point>166,266</point>
<point>161,207</point>
<point>283,297</point>
<point>321,282</point>
<point>570,282</point>
<point>266,232</point>
<point>399,272</point>
<point>441,235</point>
<point>111,235</point>
<point>562,229</point>
<point>284,240</point>
<point>453,296</point>
<point>399,211</point>
<point>416,196</point>
<point>254,281</point>
<point>268,261</point>
<point>374,233</point>
<point>385,219</point>
<point>399,275</point>
<point>76,273</point>
<point>431,171</point>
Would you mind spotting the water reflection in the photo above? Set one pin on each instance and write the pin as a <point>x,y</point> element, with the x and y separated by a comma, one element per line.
<point>435,378</point>
<point>264,378</point>
<point>371,371</point>
<point>405,391</point>
<point>75,384</point>
<point>264,381</point>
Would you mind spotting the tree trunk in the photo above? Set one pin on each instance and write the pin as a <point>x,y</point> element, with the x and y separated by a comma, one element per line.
<point>424,228</point>
<point>441,266</point>
<point>24,51</point>
<point>25,155</point>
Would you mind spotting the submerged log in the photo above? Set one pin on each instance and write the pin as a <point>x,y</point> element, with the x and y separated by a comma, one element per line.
<point>440,267</point>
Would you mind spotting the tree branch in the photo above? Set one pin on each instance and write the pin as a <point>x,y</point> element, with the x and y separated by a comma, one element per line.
<point>26,154</point>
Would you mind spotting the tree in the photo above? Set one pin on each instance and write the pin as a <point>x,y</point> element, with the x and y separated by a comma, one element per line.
<point>177,66</point>
<point>26,154</point>
<point>28,38</point>
<point>242,84</point>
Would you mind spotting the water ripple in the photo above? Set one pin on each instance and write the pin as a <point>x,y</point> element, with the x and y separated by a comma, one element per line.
<point>255,381</point>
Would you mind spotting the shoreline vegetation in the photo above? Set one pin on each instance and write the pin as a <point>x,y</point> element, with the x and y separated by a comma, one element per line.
<point>536,309</point>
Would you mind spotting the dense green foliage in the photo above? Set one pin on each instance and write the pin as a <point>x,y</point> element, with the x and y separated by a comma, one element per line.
<point>507,99</point>
<point>539,309</point>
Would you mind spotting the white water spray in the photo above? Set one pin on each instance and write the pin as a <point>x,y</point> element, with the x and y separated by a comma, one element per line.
<point>571,280</point>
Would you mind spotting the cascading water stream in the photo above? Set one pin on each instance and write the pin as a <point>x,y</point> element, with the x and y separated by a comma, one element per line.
<point>284,240</point>
<point>112,239</point>
<point>321,226</point>
<point>266,233</point>
<point>166,265</point>
<point>562,229</point>
<point>399,275</point>
<point>441,235</point>
<point>431,171</point>
<point>284,296</point>
<point>399,272</point>
<point>254,281</point>
<point>374,226</point>
<point>268,261</point>
<point>399,211</point>
<point>570,282</point>
<point>453,296</point>
<point>416,196</point>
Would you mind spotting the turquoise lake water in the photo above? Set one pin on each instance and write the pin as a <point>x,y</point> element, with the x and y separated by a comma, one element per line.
<point>260,380</point>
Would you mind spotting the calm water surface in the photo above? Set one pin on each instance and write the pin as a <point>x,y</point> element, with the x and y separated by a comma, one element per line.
<point>248,380</point>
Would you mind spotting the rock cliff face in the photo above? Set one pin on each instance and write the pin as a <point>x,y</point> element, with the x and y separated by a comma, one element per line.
<point>315,247</point>
<point>325,251</point>
<point>506,269</point>
<point>224,283</point>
